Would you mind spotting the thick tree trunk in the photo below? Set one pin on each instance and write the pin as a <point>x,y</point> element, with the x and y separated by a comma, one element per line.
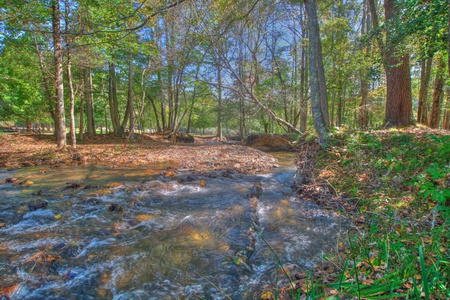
<point>438,95</point>
<point>425,73</point>
<point>315,81</point>
<point>398,78</point>
<point>58,53</point>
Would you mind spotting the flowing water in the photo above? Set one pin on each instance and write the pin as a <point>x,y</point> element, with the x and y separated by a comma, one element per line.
<point>137,234</point>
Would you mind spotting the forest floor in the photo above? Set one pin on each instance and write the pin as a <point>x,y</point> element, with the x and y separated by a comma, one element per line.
<point>205,154</point>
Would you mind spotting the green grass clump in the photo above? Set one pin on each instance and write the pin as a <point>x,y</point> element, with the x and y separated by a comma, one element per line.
<point>398,247</point>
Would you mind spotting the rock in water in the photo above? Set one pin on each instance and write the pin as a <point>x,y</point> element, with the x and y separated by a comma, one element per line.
<point>115,207</point>
<point>256,190</point>
<point>37,204</point>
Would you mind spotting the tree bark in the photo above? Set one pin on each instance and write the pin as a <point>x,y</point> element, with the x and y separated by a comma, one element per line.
<point>438,95</point>
<point>446,122</point>
<point>128,110</point>
<point>82,105</point>
<point>304,78</point>
<point>88,101</point>
<point>425,74</point>
<point>73,136</point>
<point>219,101</point>
<point>113,102</point>
<point>131,98</point>
<point>363,106</point>
<point>59,87</point>
<point>375,24</point>
<point>398,78</point>
<point>314,64</point>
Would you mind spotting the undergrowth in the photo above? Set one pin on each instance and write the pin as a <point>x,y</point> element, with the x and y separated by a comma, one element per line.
<point>395,187</point>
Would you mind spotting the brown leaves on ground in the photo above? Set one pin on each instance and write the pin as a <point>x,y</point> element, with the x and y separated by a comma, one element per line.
<point>18,151</point>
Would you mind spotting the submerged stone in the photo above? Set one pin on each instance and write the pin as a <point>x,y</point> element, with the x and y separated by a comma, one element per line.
<point>37,204</point>
<point>115,207</point>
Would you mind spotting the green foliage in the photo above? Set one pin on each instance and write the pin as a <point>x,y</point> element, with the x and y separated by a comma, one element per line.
<point>425,24</point>
<point>21,93</point>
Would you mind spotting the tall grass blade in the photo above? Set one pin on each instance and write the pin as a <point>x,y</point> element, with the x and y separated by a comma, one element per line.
<point>424,274</point>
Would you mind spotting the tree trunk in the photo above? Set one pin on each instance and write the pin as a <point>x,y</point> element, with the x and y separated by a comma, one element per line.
<point>363,106</point>
<point>303,78</point>
<point>375,24</point>
<point>446,122</point>
<point>131,99</point>
<point>219,101</point>
<point>130,104</point>
<point>315,81</point>
<point>59,87</point>
<point>113,102</point>
<point>438,95</point>
<point>398,78</point>
<point>242,124</point>
<point>163,104</point>
<point>425,73</point>
<point>155,111</point>
<point>82,105</point>
<point>73,136</point>
<point>88,101</point>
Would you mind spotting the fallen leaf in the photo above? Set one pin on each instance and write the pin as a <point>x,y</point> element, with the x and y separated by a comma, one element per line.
<point>202,183</point>
<point>267,296</point>
<point>27,183</point>
<point>58,216</point>
<point>143,218</point>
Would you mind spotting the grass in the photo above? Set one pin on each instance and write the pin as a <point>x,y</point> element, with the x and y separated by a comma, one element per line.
<point>399,181</point>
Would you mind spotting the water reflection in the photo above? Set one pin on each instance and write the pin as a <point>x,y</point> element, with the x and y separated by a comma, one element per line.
<point>132,233</point>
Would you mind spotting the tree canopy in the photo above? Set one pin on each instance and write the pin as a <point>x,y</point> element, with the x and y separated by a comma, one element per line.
<point>232,66</point>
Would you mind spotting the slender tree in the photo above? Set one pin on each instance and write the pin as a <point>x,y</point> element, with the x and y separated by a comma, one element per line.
<point>58,55</point>
<point>73,138</point>
<point>316,68</point>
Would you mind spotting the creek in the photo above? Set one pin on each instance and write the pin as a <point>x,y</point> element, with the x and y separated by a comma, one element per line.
<point>91,232</point>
